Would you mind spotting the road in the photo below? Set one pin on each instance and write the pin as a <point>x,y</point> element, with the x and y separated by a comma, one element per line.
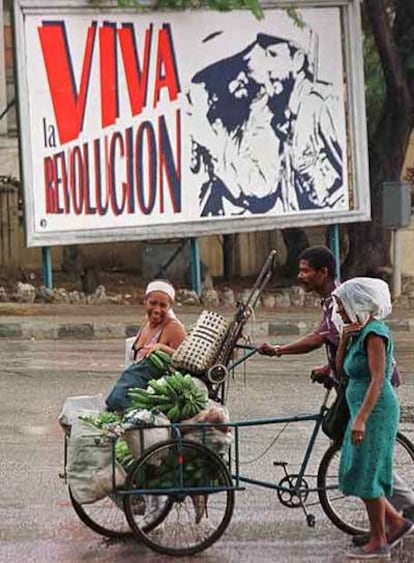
<point>38,523</point>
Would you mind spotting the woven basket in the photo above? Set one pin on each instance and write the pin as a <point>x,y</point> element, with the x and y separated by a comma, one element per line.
<point>199,351</point>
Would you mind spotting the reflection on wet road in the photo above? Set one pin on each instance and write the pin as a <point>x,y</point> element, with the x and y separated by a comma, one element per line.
<point>37,521</point>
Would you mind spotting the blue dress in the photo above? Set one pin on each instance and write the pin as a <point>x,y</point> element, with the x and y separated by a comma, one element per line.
<point>366,470</point>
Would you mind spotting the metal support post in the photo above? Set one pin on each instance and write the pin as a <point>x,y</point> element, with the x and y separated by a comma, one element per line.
<point>47,267</point>
<point>333,238</point>
<point>396,263</point>
<point>195,266</point>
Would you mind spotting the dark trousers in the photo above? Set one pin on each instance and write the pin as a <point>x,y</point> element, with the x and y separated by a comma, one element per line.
<point>136,375</point>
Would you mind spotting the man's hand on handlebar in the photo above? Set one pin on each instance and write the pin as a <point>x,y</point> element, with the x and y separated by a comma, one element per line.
<point>268,350</point>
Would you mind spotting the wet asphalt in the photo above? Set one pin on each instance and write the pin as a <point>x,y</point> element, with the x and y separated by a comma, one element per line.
<point>37,522</point>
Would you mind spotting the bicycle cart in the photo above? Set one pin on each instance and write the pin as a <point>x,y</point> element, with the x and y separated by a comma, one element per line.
<point>178,496</point>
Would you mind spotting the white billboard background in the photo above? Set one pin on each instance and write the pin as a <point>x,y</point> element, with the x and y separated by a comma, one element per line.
<point>228,173</point>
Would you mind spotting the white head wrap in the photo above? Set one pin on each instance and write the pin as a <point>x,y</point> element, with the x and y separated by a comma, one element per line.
<point>163,286</point>
<point>364,299</point>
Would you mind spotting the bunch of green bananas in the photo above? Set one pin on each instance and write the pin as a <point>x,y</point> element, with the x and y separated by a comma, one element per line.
<point>176,395</point>
<point>160,361</point>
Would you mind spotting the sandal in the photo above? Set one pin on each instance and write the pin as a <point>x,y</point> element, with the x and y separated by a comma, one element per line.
<point>383,552</point>
<point>406,529</point>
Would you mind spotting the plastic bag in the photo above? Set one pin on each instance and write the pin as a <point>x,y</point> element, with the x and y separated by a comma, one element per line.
<point>129,352</point>
<point>89,464</point>
<point>217,438</point>
<point>74,407</point>
<point>139,436</point>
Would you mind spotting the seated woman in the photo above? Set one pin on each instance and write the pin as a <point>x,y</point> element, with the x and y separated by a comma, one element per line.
<point>162,331</point>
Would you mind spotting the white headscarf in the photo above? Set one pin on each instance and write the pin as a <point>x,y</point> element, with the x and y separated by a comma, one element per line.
<point>163,286</point>
<point>364,299</point>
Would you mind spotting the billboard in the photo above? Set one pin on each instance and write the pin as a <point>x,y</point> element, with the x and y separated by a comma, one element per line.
<point>165,124</point>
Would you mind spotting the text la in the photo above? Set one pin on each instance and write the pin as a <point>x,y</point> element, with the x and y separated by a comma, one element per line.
<point>70,100</point>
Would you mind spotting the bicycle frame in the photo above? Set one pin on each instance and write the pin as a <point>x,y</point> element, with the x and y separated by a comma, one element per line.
<point>176,429</point>
<point>317,417</point>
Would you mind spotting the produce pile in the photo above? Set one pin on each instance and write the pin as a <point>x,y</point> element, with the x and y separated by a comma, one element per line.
<point>110,425</point>
<point>176,396</point>
<point>198,470</point>
<point>173,394</point>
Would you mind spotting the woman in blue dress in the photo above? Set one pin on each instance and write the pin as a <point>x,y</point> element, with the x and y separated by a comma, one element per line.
<point>365,355</point>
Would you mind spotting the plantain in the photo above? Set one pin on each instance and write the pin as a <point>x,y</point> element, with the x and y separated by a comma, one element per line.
<point>157,386</point>
<point>186,411</point>
<point>163,356</point>
<point>170,391</point>
<point>164,408</point>
<point>201,398</point>
<point>156,363</point>
<point>137,392</point>
<point>174,413</point>
<point>175,381</point>
<point>139,400</point>
<point>188,383</point>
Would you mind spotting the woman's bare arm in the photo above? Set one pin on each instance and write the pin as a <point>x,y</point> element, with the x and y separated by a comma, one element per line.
<point>171,337</point>
<point>375,347</point>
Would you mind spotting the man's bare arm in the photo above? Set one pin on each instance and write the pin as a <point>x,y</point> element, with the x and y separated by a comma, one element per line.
<point>304,345</point>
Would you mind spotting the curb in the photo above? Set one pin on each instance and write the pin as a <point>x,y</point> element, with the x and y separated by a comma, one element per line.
<point>46,330</point>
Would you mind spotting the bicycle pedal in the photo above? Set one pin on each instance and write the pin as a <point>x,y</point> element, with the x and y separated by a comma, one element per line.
<point>280,463</point>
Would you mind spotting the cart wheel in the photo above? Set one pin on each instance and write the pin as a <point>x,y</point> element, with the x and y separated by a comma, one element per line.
<point>346,512</point>
<point>194,520</point>
<point>105,516</point>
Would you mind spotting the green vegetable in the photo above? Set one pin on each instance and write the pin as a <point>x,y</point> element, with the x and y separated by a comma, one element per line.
<point>123,455</point>
<point>102,420</point>
<point>175,395</point>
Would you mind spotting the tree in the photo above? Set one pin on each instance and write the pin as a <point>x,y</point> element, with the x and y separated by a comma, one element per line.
<point>389,26</point>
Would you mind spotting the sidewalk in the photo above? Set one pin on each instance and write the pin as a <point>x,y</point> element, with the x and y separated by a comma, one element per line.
<point>106,321</point>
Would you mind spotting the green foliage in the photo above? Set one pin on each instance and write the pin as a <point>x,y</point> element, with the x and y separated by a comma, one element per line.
<point>296,17</point>
<point>219,5</point>
<point>401,23</point>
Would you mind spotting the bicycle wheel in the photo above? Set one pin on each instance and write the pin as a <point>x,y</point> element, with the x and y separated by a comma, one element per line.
<point>105,516</point>
<point>346,512</point>
<point>194,521</point>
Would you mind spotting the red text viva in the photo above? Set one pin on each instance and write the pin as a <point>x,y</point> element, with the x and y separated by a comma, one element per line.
<point>70,99</point>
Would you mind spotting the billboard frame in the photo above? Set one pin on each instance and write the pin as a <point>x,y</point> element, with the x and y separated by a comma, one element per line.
<point>358,151</point>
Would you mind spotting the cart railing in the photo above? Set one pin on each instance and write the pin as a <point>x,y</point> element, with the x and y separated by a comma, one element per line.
<point>230,455</point>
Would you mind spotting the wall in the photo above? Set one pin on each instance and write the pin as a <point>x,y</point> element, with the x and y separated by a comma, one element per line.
<point>407,234</point>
